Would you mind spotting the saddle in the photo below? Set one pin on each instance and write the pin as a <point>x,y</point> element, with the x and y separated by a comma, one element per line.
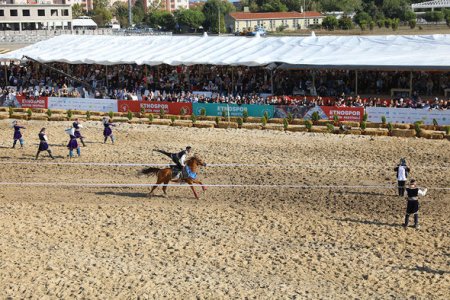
<point>176,172</point>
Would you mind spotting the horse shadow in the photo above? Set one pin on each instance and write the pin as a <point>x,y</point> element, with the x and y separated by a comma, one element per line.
<point>367,193</point>
<point>138,195</point>
<point>425,269</point>
<point>368,222</point>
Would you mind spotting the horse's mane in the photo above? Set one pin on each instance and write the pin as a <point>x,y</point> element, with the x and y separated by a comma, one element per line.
<point>193,157</point>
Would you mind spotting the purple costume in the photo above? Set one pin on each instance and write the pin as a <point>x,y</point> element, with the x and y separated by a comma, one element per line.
<point>17,133</point>
<point>43,145</point>
<point>77,130</point>
<point>73,144</point>
<point>107,131</point>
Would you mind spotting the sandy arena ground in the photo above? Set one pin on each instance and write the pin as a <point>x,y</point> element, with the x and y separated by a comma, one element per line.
<point>263,243</point>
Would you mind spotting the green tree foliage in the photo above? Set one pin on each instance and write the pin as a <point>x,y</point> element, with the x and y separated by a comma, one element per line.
<point>77,10</point>
<point>161,19</point>
<point>212,9</point>
<point>101,16</point>
<point>362,17</point>
<point>345,23</point>
<point>273,5</point>
<point>434,16</point>
<point>138,12</point>
<point>189,19</point>
<point>341,5</point>
<point>120,11</point>
<point>330,22</point>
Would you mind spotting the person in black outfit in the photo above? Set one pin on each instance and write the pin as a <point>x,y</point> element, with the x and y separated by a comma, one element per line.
<point>412,207</point>
<point>402,175</point>
<point>178,158</point>
<point>43,144</point>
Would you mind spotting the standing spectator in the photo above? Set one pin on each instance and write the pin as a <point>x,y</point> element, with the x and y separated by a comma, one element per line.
<point>413,203</point>
<point>402,175</point>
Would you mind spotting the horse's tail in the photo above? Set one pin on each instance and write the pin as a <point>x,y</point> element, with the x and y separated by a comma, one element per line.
<point>149,171</point>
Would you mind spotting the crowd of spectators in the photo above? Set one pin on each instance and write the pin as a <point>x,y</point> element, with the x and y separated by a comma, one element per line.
<point>241,85</point>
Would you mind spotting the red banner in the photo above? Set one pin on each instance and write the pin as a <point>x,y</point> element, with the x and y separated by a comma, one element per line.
<point>344,113</point>
<point>172,108</point>
<point>40,102</point>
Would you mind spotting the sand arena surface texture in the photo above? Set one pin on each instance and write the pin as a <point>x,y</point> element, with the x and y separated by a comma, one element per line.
<point>116,243</point>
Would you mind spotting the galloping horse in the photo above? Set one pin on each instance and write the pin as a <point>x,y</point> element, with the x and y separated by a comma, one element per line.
<point>166,175</point>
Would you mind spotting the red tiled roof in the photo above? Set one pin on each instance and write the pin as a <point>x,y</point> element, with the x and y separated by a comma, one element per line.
<point>274,15</point>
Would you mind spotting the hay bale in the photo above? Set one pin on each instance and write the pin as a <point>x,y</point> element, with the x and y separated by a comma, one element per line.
<point>297,128</point>
<point>403,132</point>
<point>188,117</point>
<point>227,125</point>
<point>319,129</point>
<point>40,118</point>
<point>19,116</point>
<point>251,126</point>
<point>427,127</point>
<point>97,113</point>
<point>355,131</point>
<point>274,127</point>
<point>58,111</point>
<point>401,126</point>
<point>79,112</point>
<point>323,122</point>
<point>96,118</point>
<point>203,125</point>
<point>4,109</point>
<point>38,110</point>
<point>375,132</point>
<point>298,122</point>
<point>20,110</point>
<point>373,125</point>
<point>57,118</point>
<point>135,121</point>
<point>172,116</point>
<point>275,121</point>
<point>161,122</point>
<point>120,120</point>
<point>4,116</point>
<point>430,134</point>
<point>253,120</point>
<point>182,123</point>
<point>350,123</point>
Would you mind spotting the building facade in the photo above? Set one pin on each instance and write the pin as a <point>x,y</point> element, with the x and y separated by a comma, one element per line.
<point>31,17</point>
<point>271,21</point>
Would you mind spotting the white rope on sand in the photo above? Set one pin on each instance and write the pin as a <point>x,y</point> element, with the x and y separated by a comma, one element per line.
<point>270,186</point>
<point>311,165</point>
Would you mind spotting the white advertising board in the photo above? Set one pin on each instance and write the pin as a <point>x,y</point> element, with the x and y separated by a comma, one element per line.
<point>103,105</point>
<point>408,115</point>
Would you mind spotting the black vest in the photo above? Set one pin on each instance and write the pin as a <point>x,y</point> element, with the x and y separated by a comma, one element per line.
<point>413,192</point>
<point>42,137</point>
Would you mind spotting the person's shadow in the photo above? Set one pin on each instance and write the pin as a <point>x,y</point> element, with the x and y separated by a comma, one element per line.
<point>368,222</point>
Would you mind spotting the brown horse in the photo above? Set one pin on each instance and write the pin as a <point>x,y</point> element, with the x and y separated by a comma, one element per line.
<point>165,175</point>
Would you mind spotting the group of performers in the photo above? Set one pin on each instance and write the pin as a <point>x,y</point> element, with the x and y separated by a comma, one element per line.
<point>412,192</point>
<point>74,135</point>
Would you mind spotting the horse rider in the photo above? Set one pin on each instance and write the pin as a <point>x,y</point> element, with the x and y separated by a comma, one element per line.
<point>178,158</point>
<point>402,175</point>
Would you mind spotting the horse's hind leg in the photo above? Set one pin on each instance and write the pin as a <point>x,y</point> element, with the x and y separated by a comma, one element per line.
<point>166,182</point>
<point>155,186</point>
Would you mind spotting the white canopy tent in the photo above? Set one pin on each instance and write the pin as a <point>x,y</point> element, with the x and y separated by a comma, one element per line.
<point>431,52</point>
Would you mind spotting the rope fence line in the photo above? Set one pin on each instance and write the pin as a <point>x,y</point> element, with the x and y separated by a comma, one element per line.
<point>270,186</point>
<point>209,165</point>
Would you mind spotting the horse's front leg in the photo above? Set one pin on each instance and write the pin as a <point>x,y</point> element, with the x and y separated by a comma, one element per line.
<point>200,183</point>
<point>190,181</point>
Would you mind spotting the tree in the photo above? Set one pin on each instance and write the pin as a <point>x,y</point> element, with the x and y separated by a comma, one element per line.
<point>77,10</point>
<point>211,10</point>
<point>346,6</point>
<point>191,19</point>
<point>362,17</point>
<point>138,12</point>
<point>273,5</point>
<point>345,23</point>
<point>102,16</point>
<point>160,19</point>
<point>101,4</point>
<point>433,16</point>
<point>120,11</point>
<point>330,22</point>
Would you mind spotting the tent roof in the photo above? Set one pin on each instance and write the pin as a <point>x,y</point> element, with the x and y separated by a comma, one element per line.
<point>357,52</point>
<point>84,22</point>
